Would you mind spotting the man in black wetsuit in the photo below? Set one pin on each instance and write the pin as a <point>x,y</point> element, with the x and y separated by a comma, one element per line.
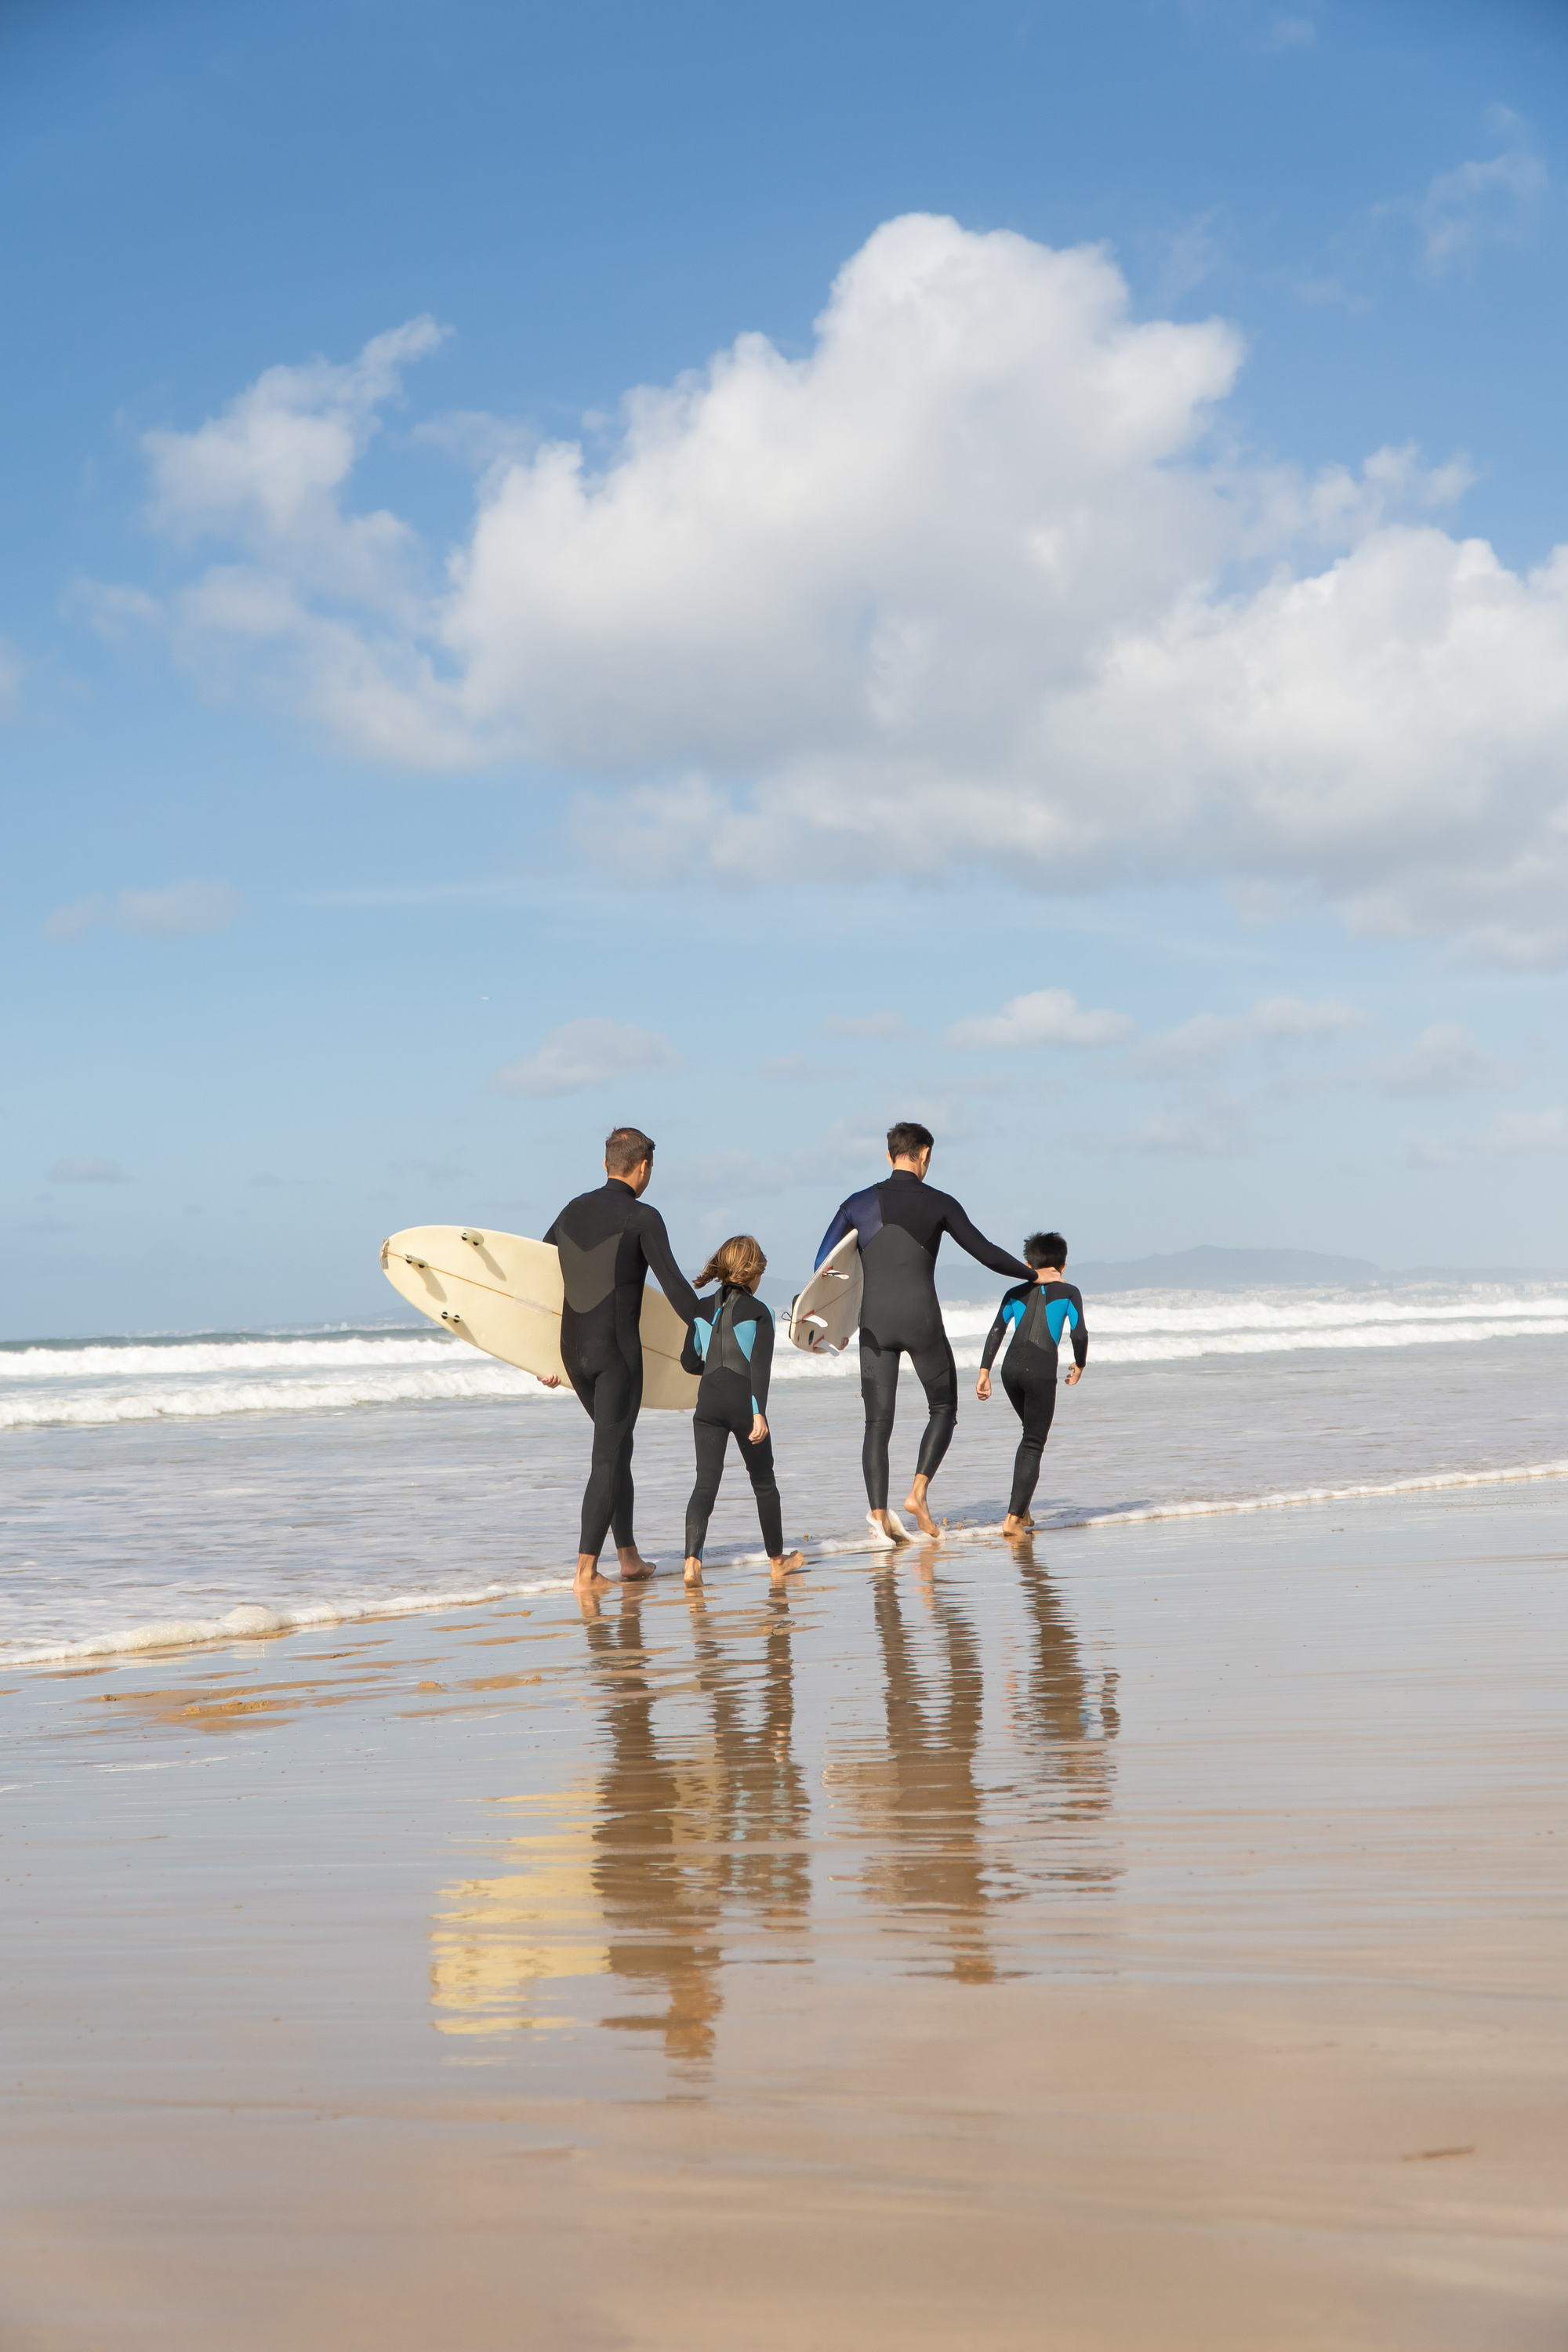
<point>608,1240</point>
<point>901,1223</point>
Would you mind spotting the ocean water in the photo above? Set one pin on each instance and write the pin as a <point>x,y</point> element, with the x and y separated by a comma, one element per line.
<point>211,1484</point>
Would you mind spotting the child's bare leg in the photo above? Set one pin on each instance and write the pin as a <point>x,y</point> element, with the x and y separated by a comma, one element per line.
<point>694,1570</point>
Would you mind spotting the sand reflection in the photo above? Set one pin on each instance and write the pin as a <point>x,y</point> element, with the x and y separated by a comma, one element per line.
<point>969,1765</point>
<point>948,1811</point>
<point>693,1833</point>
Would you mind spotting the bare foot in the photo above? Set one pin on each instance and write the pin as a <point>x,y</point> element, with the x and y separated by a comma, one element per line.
<point>635,1569</point>
<point>889,1526</point>
<point>588,1572</point>
<point>694,1571</point>
<point>787,1562</point>
<point>915,1501</point>
<point>1012,1526</point>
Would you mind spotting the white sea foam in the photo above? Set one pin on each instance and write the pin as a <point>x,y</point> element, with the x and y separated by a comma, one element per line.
<point>252,1621</point>
<point>208,1377</point>
<point>477,1379</point>
<point>124,1360</point>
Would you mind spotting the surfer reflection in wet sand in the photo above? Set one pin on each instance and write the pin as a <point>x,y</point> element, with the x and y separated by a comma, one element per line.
<point>606,1241</point>
<point>701,1834</point>
<point>948,1839</point>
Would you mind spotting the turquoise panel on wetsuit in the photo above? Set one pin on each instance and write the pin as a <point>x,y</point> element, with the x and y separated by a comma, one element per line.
<point>1060,1313</point>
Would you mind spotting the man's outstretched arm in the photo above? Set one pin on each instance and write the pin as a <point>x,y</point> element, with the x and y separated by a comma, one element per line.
<point>661,1258</point>
<point>969,1237</point>
<point>842,1223</point>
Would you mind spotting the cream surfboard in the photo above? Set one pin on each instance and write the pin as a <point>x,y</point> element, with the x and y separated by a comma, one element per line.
<point>503,1294</point>
<point>826,1315</point>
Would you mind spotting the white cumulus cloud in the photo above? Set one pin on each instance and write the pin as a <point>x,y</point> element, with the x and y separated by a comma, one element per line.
<point>586,1053</point>
<point>973,582</point>
<point>1049,1016</point>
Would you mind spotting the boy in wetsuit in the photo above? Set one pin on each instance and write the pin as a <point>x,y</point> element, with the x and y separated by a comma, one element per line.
<point>1036,1314</point>
<point>732,1345</point>
<point>606,1241</point>
<point>901,1223</point>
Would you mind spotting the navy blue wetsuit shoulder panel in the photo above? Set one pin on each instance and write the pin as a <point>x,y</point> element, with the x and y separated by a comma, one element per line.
<point>861,1213</point>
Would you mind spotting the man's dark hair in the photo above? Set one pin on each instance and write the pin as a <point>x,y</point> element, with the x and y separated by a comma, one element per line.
<point>908,1140</point>
<point>1045,1249</point>
<point>627,1148</point>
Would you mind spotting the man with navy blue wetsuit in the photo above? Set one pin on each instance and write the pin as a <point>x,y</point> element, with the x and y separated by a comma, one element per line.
<point>901,1223</point>
<point>1037,1315</point>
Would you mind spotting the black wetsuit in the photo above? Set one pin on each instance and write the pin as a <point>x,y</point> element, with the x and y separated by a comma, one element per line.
<point>732,1345</point>
<point>901,1223</point>
<point>608,1240</point>
<point>1037,1313</point>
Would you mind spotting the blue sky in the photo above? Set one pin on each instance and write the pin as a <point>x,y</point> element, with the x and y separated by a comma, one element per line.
<point>760,571</point>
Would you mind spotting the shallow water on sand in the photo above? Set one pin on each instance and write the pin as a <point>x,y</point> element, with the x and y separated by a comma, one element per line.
<point>1150,1937</point>
<point>333,1507</point>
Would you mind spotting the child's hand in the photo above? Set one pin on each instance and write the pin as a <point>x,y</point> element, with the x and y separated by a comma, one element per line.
<point>983,1388</point>
<point>759,1429</point>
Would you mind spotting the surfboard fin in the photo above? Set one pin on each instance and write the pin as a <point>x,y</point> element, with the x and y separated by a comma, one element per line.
<point>475,1240</point>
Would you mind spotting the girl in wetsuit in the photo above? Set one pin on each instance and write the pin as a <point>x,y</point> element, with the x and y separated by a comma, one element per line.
<point>732,1345</point>
<point>1037,1315</point>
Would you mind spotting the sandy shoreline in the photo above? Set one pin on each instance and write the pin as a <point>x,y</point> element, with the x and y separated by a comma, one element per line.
<point>1157,1943</point>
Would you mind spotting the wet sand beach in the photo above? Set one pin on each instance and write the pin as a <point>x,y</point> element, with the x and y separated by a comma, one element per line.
<point>1149,1939</point>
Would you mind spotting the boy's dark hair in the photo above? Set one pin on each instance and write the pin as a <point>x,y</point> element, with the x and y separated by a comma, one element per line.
<point>1045,1249</point>
<point>908,1139</point>
<point>627,1148</point>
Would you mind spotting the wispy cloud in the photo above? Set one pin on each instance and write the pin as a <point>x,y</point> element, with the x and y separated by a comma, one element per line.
<point>865,1024</point>
<point>1277,1019</point>
<point>800,1070</point>
<point>1510,1133</point>
<point>586,1053</point>
<point>1444,1060</point>
<point>1218,1129</point>
<point>87,1168</point>
<point>1528,1130</point>
<point>1495,200</point>
<point>181,910</point>
<point>1048,1016</point>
